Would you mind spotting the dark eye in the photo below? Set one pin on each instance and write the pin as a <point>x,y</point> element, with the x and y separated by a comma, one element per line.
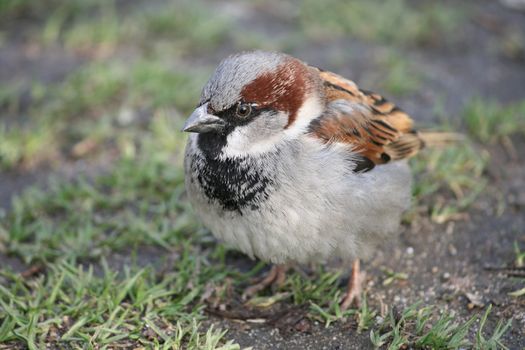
<point>243,110</point>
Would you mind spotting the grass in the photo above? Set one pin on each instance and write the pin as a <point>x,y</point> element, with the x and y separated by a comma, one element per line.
<point>26,147</point>
<point>424,328</point>
<point>512,44</point>
<point>322,292</point>
<point>97,105</point>
<point>489,122</point>
<point>400,78</point>
<point>81,115</point>
<point>392,276</point>
<point>519,262</point>
<point>494,340</point>
<point>449,179</point>
<point>188,22</point>
<point>73,306</point>
<point>95,212</point>
<point>455,176</point>
<point>27,9</point>
<point>382,22</point>
<point>394,73</point>
<point>178,24</point>
<point>81,300</point>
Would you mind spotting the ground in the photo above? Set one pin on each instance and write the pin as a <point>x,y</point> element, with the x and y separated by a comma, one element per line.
<point>99,247</point>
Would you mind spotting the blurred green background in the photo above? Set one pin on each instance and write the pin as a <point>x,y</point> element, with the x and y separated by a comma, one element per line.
<point>79,77</point>
<point>93,94</point>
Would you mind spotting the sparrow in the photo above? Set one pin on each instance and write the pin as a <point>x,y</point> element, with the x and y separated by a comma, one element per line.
<point>290,163</point>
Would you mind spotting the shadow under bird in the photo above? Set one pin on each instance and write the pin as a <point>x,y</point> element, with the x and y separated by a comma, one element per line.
<point>293,164</point>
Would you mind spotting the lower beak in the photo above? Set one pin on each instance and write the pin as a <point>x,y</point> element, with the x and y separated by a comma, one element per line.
<point>200,121</point>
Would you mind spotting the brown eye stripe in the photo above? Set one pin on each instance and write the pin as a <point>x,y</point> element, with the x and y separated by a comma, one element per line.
<point>282,90</point>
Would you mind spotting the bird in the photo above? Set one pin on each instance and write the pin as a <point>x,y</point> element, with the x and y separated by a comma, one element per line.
<point>293,164</point>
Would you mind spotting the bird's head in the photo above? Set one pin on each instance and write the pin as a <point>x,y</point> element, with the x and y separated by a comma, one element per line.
<point>254,101</point>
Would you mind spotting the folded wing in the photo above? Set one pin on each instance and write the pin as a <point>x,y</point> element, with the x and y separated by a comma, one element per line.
<point>377,130</point>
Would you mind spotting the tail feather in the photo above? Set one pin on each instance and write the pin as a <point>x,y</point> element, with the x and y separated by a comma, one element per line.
<point>439,139</point>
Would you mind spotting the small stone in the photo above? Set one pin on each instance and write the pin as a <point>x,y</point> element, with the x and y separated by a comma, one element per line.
<point>126,116</point>
<point>304,326</point>
<point>435,269</point>
<point>450,228</point>
<point>410,251</point>
<point>445,276</point>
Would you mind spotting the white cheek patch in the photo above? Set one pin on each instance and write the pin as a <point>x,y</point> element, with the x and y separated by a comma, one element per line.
<point>242,142</point>
<point>237,143</point>
<point>311,109</point>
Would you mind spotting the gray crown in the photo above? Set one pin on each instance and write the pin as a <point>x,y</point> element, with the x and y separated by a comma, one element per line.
<point>234,73</point>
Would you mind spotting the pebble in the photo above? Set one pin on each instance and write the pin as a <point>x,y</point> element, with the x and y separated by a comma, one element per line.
<point>450,228</point>
<point>125,117</point>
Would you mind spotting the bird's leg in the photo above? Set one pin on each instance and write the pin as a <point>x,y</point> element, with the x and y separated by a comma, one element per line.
<point>275,277</point>
<point>354,289</point>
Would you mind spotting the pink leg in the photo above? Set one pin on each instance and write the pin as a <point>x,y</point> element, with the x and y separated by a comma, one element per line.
<point>354,289</point>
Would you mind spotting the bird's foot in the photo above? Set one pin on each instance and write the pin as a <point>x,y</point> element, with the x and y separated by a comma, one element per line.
<point>275,277</point>
<point>355,288</point>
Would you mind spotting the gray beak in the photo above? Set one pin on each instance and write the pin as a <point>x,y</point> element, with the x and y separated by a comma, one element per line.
<point>200,121</point>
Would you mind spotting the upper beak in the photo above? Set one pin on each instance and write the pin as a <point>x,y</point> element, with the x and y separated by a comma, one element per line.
<point>200,121</point>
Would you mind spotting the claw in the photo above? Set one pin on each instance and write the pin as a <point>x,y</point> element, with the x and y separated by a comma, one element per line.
<point>275,277</point>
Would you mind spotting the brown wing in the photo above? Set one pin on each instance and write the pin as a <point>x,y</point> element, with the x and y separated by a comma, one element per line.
<point>377,129</point>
